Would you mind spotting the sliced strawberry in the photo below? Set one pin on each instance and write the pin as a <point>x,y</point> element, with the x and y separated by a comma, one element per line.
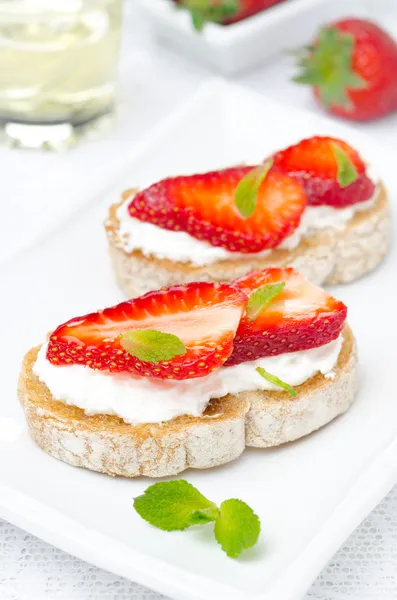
<point>204,206</point>
<point>301,317</point>
<point>204,316</point>
<point>313,163</point>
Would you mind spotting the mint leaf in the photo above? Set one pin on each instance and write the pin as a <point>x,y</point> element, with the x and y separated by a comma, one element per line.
<point>175,505</point>
<point>151,346</point>
<point>347,172</point>
<point>261,298</point>
<point>237,528</point>
<point>198,19</point>
<point>246,192</point>
<point>276,381</point>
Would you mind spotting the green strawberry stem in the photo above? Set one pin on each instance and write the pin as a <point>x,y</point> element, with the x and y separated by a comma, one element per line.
<point>327,65</point>
<point>214,11</point>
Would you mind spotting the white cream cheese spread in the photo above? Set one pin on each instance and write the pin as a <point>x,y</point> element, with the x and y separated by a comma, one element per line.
<point>141,400</point>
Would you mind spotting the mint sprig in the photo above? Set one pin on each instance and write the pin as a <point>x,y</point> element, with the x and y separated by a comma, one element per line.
<point>151,346</point>
<point>261,298</point>
<point>246,192</point>
<point>276,381</point>
<point>177,505</point>
<point>347,172</point>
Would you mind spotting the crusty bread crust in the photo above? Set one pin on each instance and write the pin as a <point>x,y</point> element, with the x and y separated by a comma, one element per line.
<point>274,418</point>
<point>330,257</point>
<point>262,419</point>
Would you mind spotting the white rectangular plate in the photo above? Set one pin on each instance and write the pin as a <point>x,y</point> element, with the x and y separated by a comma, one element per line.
<point>235,47</point>
<point>309,495</point>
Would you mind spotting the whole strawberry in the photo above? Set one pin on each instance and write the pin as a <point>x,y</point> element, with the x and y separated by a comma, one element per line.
<point>223,11</point>
<point>352,68</point>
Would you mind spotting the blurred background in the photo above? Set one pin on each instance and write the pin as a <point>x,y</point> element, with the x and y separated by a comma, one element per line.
<point>60,67</point>
<point>81,84</point>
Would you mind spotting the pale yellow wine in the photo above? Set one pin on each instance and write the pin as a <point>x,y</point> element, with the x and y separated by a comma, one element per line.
<point>58,59</point>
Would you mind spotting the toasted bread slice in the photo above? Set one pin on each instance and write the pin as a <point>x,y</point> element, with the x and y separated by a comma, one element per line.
<point>261,418</point>
<point>330,257</point>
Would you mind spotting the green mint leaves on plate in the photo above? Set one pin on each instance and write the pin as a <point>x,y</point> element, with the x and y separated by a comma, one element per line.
<point>237,528</point>
<point>347,172</point>
<point>151,346</point>
<point>246,192</point>
<point>276,381</point>
<point>176,505</point>
<point>261,298</point>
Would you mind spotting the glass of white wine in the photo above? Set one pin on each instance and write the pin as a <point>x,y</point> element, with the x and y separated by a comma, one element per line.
<point>58,65</point>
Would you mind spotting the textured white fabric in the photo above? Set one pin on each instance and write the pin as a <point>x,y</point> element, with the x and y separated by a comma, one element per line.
<point>365,568</point>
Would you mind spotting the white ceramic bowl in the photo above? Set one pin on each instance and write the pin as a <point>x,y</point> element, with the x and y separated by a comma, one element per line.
<point>232,48</point>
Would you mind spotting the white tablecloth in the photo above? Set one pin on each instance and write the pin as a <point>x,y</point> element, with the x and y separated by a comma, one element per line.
<point>46,189</point>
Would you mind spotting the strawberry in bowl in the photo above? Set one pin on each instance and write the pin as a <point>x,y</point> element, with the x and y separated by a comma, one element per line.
<point>224,12</point>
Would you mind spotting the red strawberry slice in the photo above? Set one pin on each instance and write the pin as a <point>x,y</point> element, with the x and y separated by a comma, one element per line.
<point>204,207</point>
<point>313,163</point>
<point>204,316</point>
<point>301,317</point>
